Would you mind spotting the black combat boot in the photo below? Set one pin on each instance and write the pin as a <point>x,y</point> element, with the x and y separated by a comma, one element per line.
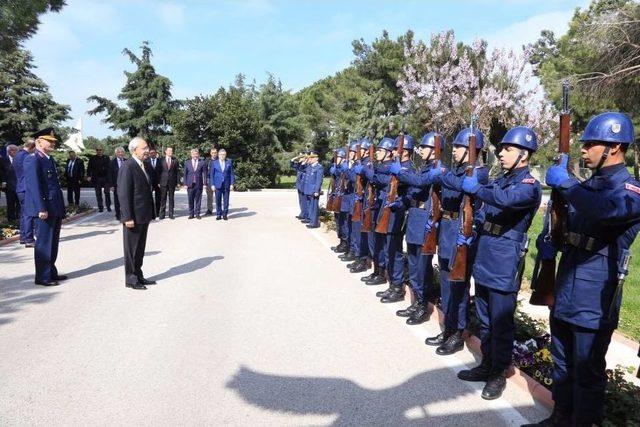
<point>385,293</point>
<point>396,295</point>
<point>407,312</point>
<point>420,315</point>
<point>360,267</point>
<point>453,344</point>
<point>439,339</point>
<point>354,263</point>
<point>495,386</point>
<point>482,372</point>
<point>380,279</point>
<point>349,256</point>
<point>342,247</point>
<point>558,418</point>
<point>374,274</point>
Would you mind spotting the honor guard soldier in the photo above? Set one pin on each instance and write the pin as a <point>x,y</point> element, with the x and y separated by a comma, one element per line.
<point>312,188</point>
<point>394,233</point>
<point>418,196</point>
<point>27,222</point>
<point>299,164</point>
<point>360,239</point>
<point>509,205</point>
<point>44,201</point>
<point>603,221</point>
<point>347,204</point>
<point>454,295</point>
<point>339,171</point>
<point>377,173</point>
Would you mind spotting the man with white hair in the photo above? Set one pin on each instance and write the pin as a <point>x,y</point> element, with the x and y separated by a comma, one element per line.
<point>114,167</point>
<point>9,182</point>
<point>194,178</point>
<point>134,191</point>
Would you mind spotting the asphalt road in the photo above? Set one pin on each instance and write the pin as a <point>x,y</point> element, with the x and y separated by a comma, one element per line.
<point>253,322</point>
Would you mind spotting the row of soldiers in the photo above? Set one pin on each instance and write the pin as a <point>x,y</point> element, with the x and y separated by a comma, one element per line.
<point>603,221</point>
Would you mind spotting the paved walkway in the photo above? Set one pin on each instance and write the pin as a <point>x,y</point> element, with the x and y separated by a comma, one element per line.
<point>253,322</point>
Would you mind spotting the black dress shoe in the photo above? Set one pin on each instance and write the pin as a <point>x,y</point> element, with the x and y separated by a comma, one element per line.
<point>218,218</point>
<point>349,256</point>
<point>396,295</point>
<point>100,210</point>
<point>453,344</point>
<point>138,286</point>
<point>494,387</point>
<point>146,282</point>
<point>374,273</point>
<point>190,217</point>
<point>353,264</point>
<point>439,339</point>
<point>386,292</point>
<point>419,316</point>
<point>225,218</point>
<point>299,216</point>
<point>305,221</point>
<point>49,283</point>
<point>172,217</point>
<point>312,226</point>
<point>208,212</point>
<point>478,373</point>
<point>198,216</point>
<point>407,312</point>
<point>161,217</point>
<point>61,277</point>
<point>108,209</point>
<point>360,267</point>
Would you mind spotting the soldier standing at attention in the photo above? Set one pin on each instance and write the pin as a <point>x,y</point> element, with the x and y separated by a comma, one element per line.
<point>44,201</point>
<point>339,172</point>
<point>298,164</point>
<point>346,207</point>
<point>27,222</point>
<point>359,239</point>
<point>603,221</point>
<point>509,205</point>
<point>312,187</point>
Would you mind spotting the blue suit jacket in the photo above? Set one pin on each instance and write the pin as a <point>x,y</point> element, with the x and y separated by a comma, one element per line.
<point>218,178</point>
<point>18,167</point>
<point>194,178</point>
<point>42,188</point>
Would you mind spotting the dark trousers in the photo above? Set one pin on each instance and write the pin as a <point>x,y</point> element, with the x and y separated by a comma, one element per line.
<point>222,201</point>
<point>455,298</point>
<point>302,201</point>
<point>343,223</point>
<point>135,241</point>
<point>157,196</point>
<point>495,311</point>
<point>167,194</point>
<point>312,210</point>
<point>46,249</point>
<point>420,272</point>
<point>194,195</point>
<point>100,185</point>
<point>13,205</point>
<point>395,262</point>
<point>354,238</point>
<point>116,201</point>
<point>377,244</point>
<point>73,193</point>
<point>579,378</point>
<point>27,223</point>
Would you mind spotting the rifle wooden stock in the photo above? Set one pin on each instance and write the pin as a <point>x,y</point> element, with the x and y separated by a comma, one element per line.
<point>357,205</point>
<point>431,238</point>
<point>367,218</point>
<point>544,282</point>
<point>383,223</point>
<point>331,191</point>
<point>459,270</point>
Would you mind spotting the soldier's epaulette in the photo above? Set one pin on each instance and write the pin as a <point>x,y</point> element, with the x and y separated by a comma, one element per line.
<point>632,187</point>
<point>529,181</point>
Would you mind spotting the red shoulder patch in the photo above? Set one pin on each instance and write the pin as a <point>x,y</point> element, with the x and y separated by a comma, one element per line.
<point>529,180</point>
<point>632,187</point>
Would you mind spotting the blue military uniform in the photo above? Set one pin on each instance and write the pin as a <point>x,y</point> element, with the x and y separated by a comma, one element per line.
<point>43,194</point>
<point>603,222</point>
<point>312,188</point>
<point>300,168</point>
<point>27,223</point>
<point>359,239</point>
<point>339,174</point>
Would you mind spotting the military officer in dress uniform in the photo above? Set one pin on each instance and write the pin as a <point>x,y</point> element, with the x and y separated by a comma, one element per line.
<point>347,204</point>
<point>377,173</point>
<point>454,295</point>
<point>603,221</point>
<point>509,205</point>
<point>395,231</point>
<point>44,201</point>
<point>359,239</point>
<point>299,164</point>
<point>419,200</point>
<point>312,189</point>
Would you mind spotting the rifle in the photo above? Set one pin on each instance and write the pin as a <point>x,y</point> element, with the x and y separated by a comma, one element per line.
<point>459,270</point>
<point>543,280</point>
<point>383,223</point>
<point>337,199</point>
<point>431,238</point>
<point>357,205</point>
<point>331,190</point>
<point>367,218</point>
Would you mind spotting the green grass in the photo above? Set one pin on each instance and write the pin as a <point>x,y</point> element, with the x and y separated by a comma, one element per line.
<point>289,182</point>
<point>630,314</point>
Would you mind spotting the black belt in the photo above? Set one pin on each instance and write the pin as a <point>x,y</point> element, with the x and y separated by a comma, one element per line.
<point>416,204</point>
<point>450,215</point>
<point>583,241</point>
<point>493,228</point>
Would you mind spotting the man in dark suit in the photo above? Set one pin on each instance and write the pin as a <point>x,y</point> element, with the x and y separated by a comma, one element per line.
<point>9,183</point>
<point>98,176</point>
<point>208,185</point>
<point>222,178</point>
<point>44,201</point>
<point>74,174</point>
<point>134,191</point>
<point>155,167</point>
<point>114,167</point>
<point>194,177</point>
<point>168,182</point>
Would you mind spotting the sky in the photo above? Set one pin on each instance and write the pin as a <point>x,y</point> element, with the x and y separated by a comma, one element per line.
<point>201,45</point>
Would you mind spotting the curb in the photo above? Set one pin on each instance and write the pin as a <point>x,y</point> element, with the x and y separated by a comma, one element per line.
<point>64,221</point>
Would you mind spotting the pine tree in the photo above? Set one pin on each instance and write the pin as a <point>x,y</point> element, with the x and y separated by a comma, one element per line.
<point>19,20</point>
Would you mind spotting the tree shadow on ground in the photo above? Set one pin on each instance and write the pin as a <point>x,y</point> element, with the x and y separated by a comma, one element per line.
<point>196,264</point>
<point>87,235</point>
<point>401,405</point>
